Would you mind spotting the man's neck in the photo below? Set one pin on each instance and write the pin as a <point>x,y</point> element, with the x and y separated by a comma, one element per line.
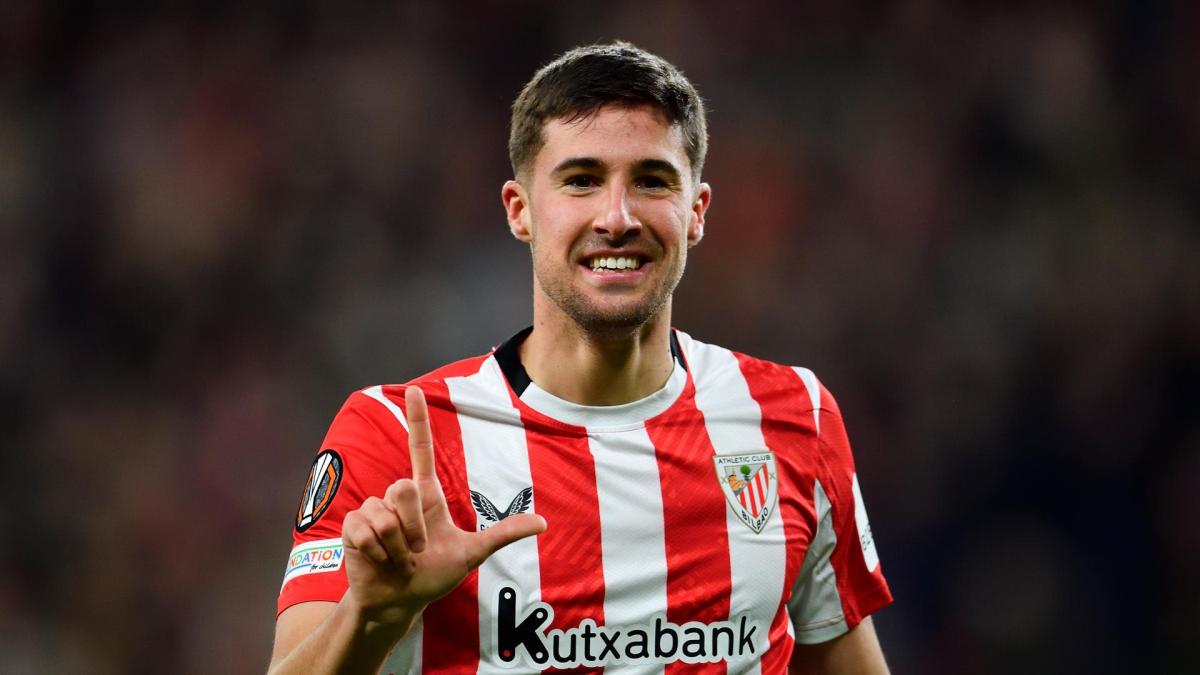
<point>599,369</point>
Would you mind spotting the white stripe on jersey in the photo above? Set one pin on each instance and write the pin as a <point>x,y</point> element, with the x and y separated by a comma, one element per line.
<point>497,459</point>
<point>757,562</point>
<point>631,530</point>
<point>405,657</point>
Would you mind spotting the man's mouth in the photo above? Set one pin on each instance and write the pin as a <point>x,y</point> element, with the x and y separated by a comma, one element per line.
<point>614,263</point>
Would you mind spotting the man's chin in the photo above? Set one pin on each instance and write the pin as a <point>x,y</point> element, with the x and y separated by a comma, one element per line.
<point>609,325</point>
<point>608,312</point>
<point>612,319</point>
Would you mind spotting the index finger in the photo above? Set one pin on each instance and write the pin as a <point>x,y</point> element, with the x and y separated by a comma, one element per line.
<point>420,438</point>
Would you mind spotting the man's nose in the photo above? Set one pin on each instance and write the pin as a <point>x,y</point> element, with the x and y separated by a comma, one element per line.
<point>617,221</point>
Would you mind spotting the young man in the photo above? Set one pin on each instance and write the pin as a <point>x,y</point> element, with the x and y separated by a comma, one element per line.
<point>695,510</point>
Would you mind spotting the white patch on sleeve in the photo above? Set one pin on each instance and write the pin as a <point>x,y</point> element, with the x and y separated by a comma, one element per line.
<point>376,393</point>
<point>815,606</point>
<point>865,538</point>
<point>814,393</point>
<point>312,557</point>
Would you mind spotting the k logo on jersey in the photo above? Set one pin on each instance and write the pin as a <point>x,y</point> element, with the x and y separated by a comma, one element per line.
<point>323,482</point>
<point>488,513</point>
<point>750,486</point>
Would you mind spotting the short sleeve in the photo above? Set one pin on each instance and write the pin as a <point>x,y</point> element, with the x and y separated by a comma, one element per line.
<point>840,581</point>
<point>363,453</point>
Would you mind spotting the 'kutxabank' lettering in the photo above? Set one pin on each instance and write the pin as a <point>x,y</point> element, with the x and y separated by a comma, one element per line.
<point>657,641</point>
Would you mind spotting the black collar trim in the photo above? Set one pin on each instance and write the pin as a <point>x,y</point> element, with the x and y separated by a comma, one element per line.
<point>509,358</point>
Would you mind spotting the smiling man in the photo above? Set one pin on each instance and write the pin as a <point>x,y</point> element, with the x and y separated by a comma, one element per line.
<point>695,509</point>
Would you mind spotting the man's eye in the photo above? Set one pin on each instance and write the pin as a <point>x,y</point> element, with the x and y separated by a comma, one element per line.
<point>580,182</point>
<point>652,183</point>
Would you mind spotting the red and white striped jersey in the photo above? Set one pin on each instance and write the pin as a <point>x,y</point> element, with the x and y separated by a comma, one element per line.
<point>705,528</point>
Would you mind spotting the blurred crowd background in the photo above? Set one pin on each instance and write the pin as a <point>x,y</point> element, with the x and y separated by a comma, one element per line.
<point>977,222</point>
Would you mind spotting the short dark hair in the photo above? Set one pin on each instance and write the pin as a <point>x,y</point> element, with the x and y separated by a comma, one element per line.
<point>583,80</point>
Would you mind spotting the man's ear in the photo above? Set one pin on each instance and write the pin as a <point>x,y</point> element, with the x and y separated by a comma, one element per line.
<point>516,207</point>
<point>699,207</point>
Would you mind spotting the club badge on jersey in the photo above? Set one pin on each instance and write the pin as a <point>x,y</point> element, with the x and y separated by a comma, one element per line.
<point>323,482</point>
<point>750,486</point>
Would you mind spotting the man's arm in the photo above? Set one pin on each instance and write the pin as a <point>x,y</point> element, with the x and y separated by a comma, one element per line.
<point>855,653</point>
<point>326,637</point>
<point>402,552</point>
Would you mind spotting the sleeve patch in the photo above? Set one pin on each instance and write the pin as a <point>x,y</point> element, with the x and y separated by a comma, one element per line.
<point>865,539</point>
<point>312,557</point>
<point>322,485</point>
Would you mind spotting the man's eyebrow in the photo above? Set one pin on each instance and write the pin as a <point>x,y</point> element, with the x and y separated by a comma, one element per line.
<point>593,164</point>
<point>578,163</point>
<point>659,165</point>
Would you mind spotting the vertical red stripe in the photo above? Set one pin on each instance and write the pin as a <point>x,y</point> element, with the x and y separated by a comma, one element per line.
<point>447,645</point>
<point>778,390</point>
<point>694,528</point>
<point>570,557</point>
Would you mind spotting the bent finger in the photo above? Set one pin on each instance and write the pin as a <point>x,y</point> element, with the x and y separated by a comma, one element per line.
<point>385,523</point>
<point>358,535</point>
<point>405,499</point>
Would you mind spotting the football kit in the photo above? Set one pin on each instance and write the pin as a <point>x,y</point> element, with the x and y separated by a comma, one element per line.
<point>705,528</point>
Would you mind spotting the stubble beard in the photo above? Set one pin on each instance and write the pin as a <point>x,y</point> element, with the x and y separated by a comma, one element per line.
<point>598,320</point>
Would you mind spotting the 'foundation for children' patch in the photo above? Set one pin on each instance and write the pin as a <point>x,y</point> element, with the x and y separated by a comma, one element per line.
<point>311,557</point>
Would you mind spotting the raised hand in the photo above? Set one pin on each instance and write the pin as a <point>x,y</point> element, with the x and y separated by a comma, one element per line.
<point>402,550</point>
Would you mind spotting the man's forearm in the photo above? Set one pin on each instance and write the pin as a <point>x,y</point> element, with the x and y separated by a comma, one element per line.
<point>345,641</point>
<point>855,653</point>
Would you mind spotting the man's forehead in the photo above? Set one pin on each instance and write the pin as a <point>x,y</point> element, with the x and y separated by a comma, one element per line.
<point>632,114</point>
<point>613,131</point>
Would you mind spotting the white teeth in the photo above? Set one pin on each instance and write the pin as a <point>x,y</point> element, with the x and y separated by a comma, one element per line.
<point>614,263</point>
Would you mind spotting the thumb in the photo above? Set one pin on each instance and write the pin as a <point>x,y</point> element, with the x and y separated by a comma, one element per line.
<point>504,533</point>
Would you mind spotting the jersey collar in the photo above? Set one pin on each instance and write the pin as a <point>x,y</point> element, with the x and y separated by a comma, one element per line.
<point>508,358</point>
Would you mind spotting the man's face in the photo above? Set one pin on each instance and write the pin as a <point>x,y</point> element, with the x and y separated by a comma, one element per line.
<point>609,208</point>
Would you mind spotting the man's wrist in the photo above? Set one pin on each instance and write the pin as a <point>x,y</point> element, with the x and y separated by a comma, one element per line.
<point>389,623</point>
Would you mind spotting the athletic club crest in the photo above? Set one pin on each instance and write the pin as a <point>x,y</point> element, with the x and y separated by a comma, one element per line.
<point>750,486</point>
